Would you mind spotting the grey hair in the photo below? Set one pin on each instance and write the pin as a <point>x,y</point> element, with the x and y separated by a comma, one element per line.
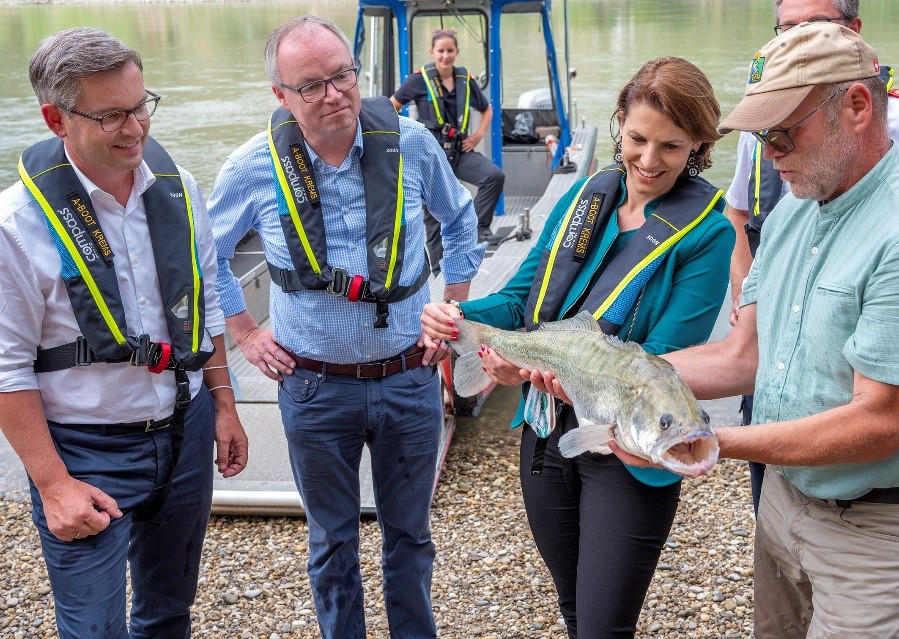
<point>304,25</point>
<point>62,59</point>
<point>847,8</point>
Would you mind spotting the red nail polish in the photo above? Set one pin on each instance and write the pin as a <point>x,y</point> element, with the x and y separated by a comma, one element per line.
<point>479,354</point>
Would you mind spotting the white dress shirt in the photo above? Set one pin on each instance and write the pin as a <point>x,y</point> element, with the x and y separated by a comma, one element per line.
<point>35,310</point>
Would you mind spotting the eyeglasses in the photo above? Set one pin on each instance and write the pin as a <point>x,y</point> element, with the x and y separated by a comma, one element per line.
<point>316,91</point>
<point>780,139</point>
<point>115,120</point>
<point>786,26</point>
<point>444,32</point>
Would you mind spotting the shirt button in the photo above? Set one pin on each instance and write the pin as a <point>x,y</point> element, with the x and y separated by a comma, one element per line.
<point>135,259</point>
<point>142,301</point>
<point>814,250</point>
<point>780,366</point>
<point>796,308</point>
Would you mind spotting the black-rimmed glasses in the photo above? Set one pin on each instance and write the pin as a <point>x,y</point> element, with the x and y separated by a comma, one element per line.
<point>316,91</point>
<point>786,26</point>
<point>780,139</point>
<point>115,120</point>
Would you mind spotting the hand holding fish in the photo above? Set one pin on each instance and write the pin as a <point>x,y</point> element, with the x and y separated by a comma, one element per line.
<point>438,323</point>
<point>621,394</point>
<point>547,382</point>
<point>629,459</point>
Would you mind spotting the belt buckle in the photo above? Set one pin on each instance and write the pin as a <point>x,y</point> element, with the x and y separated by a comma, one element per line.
<point>340,282</point>
<point>383,370</point>
<point>152,425</point>
<point>82,352</point>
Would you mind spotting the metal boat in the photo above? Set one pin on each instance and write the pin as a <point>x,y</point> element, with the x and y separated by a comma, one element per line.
<point>391,40</point>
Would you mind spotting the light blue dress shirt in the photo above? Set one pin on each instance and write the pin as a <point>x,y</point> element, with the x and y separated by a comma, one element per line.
<point>316,324</point>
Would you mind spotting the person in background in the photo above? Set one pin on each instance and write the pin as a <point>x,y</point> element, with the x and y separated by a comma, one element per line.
<point>112,392</point>
<point>757,186</point>
<point>651,265</point>
<point>445,95</point>
<point>814,341</point>
<point>322,188</point>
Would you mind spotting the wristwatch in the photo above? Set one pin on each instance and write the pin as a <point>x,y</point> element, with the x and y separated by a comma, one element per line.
<point>456,304</point>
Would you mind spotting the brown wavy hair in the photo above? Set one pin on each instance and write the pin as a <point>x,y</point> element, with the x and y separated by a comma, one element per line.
<point>677,88</point>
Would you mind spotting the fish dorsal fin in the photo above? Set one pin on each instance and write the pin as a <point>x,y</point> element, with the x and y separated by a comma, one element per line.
<point>625,346</point>
<point>583,321</point>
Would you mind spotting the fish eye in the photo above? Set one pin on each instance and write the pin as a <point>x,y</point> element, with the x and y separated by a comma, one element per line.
<point>665,421</point>
<point>705,417</point>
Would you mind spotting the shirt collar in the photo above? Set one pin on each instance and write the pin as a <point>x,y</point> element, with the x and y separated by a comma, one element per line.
<point>356,149</point>
<point>143,179</point>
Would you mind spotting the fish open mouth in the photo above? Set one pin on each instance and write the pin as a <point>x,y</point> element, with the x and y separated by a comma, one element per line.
<point>691,456</point>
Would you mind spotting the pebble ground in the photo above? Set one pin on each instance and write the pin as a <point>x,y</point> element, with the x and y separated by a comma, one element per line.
<point>489,580</point>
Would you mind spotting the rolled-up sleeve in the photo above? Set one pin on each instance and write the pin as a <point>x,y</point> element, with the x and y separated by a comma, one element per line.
<point>21,311</point>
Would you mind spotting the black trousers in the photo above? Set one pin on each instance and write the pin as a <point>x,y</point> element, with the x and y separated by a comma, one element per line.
<point>474,168</point>
<point>601,542</point>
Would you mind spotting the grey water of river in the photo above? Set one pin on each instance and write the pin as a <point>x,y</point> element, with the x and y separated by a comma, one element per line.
<point>206,61</point>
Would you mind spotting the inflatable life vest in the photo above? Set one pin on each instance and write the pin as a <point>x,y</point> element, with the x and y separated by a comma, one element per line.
<point>618,286</point>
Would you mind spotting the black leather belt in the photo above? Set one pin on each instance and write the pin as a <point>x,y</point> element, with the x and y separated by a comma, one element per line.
<point>367,370</point>
<point>122,428</point>
<point>873,496</point>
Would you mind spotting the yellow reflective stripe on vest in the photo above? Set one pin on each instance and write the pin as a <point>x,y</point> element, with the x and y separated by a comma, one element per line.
<point>74,253</point>
<point>291,205</point>
<point>659,250</point>
<point>397,214</point>
<point>467,102</point>
<point>555,249</point>
<point>194,266</point>
<point>433,95</point>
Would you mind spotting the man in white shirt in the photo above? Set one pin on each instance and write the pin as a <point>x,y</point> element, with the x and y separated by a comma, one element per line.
<point>113,381</point>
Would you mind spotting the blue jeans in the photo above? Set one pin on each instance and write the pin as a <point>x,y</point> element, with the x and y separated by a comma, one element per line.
<point>88,575</point>
<point>327,420</point>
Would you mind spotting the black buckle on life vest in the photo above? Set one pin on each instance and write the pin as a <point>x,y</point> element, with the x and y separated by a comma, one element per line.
<point>182,396</point>
<point>340,283</point>
<point>381,313</point>
<point>141,354</point>
<point>82,352</point>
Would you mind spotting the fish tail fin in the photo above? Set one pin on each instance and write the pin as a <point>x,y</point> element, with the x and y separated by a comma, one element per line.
<point>469,377</point>
<point>585,437</point>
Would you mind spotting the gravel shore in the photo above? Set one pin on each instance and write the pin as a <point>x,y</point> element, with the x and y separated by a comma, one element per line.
<point>489,580</point>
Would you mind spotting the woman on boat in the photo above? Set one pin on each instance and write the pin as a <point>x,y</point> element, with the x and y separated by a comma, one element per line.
<point>445,95</point>
<point>599,524</point>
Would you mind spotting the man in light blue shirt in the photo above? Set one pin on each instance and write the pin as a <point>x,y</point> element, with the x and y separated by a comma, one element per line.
<point>815,341</point>
<point>335,190</point>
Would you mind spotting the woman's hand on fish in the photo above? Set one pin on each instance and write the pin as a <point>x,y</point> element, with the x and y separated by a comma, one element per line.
<point>499,369</point>
<point>438,323</point>
<point>631,460</point>
<point>546,382</point>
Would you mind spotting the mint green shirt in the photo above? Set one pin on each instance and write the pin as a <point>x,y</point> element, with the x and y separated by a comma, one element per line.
<point>826,284</point>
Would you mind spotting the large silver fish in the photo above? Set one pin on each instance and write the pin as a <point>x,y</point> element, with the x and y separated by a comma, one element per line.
<point>618,390</point>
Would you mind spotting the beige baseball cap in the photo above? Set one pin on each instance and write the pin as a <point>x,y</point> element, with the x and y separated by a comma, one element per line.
<point>785,71</point>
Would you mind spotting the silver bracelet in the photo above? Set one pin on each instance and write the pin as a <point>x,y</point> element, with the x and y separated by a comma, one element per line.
<point>222,386</point>
<point>212,368</point>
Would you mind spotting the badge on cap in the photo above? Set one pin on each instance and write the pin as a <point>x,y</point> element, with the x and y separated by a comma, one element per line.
<point>755,69</point>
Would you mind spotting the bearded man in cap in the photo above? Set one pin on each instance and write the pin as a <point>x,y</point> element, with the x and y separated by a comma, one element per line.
<point>815,342</point>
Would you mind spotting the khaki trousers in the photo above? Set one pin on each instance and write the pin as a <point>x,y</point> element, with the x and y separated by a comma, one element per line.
<point>822,571</point>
